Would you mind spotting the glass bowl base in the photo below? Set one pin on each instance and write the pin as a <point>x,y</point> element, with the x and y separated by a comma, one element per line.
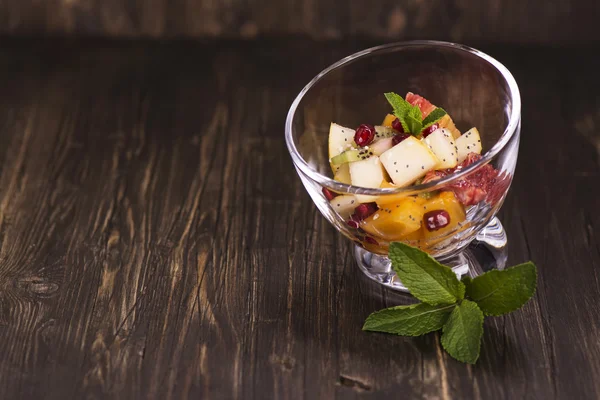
<point>486,252</point>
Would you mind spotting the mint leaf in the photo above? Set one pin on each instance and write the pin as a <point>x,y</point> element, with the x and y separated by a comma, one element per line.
<point>461,335</point>
<point>414,120</point>
<point>433,117</point>
<point>401,107</point>
<point>413,320</point>
<point>425,278</point>
<point>500,292</point>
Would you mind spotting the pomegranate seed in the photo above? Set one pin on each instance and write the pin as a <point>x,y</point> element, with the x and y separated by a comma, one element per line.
<point>436,219</point>
<point>364,135</point>
<point>429,130</point>
<point>369,239</point>
<point>364,210</point>
<point>353,224</point>
<point>397,125</point>
<point>399,137</point>
<point>329,195</point>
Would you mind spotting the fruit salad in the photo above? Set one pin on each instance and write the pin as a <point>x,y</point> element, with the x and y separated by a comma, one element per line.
<point>417,143</point>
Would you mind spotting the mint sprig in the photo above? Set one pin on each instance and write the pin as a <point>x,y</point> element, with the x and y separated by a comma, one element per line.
<point>456,307</point>
<point>410,116</point>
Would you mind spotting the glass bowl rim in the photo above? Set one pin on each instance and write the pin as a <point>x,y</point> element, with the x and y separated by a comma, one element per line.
<point>509,131</point>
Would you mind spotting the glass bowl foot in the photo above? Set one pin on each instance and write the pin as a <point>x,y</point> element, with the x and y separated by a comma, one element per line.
<point>486,252</point>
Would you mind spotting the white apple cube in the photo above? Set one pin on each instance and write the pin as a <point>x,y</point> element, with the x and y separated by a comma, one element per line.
<point>381,146</point>
<point>368,174</point>
<point>408,161</point>
<point>441,143</point>
<point>340,139</point>
<point>468,142</point>
<point>344,205</point>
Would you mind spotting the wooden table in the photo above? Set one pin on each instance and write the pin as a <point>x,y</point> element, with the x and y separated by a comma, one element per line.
<point>157,243</point>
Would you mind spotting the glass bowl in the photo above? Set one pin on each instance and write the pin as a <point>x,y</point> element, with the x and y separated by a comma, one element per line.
<point>475,90</point>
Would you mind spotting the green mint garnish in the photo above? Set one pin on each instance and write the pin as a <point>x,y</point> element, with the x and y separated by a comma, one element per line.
<point>414,120</point>
<point>501,292</point>
<point>433,117</point>
<point>456,307</point>
<point>413,320</point>
<point>425,278</point>
<point>401,108</point>
<point>461,334</point>
<point>410,116</point>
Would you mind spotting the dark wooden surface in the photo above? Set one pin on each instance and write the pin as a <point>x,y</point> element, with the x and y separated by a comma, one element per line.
<point>155,241</point>
<point>514,21</point>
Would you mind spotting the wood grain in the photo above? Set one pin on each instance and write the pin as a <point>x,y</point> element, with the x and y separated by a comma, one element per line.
<point>515,21</point>
<point>156,242</point>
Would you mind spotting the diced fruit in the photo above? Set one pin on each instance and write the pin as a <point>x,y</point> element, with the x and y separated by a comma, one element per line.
<point>388,120</point>
<point>412,237</point>
<point>429,130</point>
<point>486,183</point>
<point>408,161</point>
<point>397,125</point>
<point>469,142</point>
<point>428,195</point>
<point>397,220</point>
<point>399,137</point>
<point>475,187</point>
<point>381,146</point>
<point>363,211</point>
<point>472,189</point>
<point>364,135</point>
<point>446,122</point>
<point>442,145</point>
<point>353,224</point>
<point>382,132</point>
<point>344,205</point>
<point>373,248</point>
<point>343,174</point>
<point>370,240</point>
<point>329,195</point>
<point>435,220</point>
<point>385,200</point>
<point>368,174</point>
<point>351,156</point>
<point>498,188</point>
<point>340,140</point>
<point>445,201</point>
<point>435,175</point>
<point>419,101</point>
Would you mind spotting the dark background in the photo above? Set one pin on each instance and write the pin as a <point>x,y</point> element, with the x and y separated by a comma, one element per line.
<point>486,21</point>
<point>156,243</point>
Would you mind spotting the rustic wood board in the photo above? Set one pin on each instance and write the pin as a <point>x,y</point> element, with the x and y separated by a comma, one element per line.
<point>155,241</point>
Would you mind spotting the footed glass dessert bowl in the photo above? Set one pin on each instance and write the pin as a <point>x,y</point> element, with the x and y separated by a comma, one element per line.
<point>429,166</point>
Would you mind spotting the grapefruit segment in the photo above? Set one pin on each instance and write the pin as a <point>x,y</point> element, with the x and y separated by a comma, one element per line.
<point>424,105</point>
